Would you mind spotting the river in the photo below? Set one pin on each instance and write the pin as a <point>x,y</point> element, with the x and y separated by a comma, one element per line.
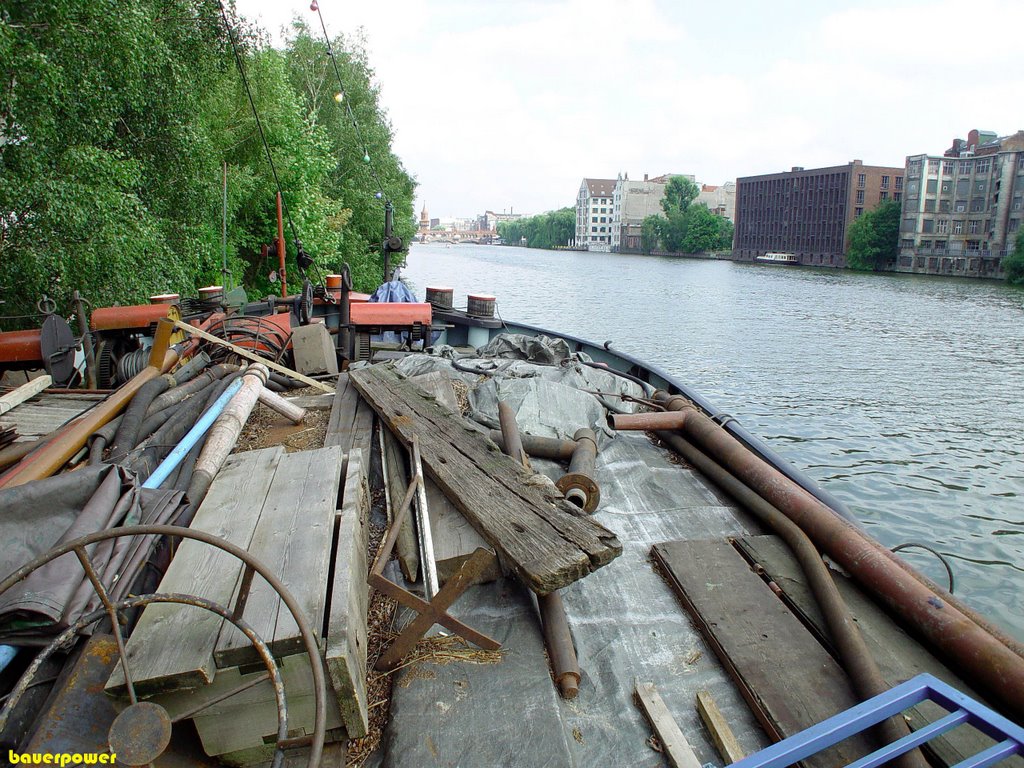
<point>903,395</point>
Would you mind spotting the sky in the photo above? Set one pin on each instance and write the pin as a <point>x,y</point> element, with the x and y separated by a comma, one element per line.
<point>507,106</point>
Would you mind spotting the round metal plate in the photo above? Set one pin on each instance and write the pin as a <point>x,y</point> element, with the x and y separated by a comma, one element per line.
<point>140,734</point>
<point>57,344</point>
<point>577,480</point>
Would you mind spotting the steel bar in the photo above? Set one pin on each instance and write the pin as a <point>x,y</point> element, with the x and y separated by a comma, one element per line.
<point>855,658</point>
<point>541,447</point>
<point>83,330</point>
<point>976,649</point>
<point>460,581</point>
<point>423,522</point>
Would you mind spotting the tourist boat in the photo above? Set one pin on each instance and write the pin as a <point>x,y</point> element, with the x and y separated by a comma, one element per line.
<point>689,599</point>
<point>770,257</point>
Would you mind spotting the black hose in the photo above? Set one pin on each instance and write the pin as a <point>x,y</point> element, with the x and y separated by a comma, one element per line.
<point>127,435</point>
<point>285,381</point>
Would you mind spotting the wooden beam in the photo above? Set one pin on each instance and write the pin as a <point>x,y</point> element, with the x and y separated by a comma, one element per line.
<point>24,392</point>
<point>540,535</point>
<point>250,355</point>
<point>721,734</point>
<point>677,749</point>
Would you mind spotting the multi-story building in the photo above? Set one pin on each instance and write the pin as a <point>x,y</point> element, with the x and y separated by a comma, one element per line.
<point>962,210</point>
<point>632,202</point>
<point>807,213</point>
<point>720,199</point>
<point>489,220</point>
<point>594,214</point>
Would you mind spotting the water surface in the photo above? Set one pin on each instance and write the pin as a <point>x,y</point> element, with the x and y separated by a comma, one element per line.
<point>904,395</point>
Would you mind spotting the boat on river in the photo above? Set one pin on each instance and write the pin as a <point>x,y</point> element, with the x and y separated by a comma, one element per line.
<point>786,259</point>
<point>512,546</point>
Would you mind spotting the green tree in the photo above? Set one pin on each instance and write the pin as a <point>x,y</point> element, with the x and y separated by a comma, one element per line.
<point>679,193</point>
<point>650,233</point>
<point>553,229</point>
<point>874,238</point>
<point>703,230</point>
<point>1013,264</point>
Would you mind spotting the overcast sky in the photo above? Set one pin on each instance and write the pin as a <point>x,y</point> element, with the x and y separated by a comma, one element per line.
<point>505,105</point>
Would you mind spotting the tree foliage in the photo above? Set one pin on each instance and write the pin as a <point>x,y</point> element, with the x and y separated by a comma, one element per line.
<point>115,122</point>
<point>874,238</point>
<point>685,227</point>
<point>546,230</point>
<point>1013,264</point>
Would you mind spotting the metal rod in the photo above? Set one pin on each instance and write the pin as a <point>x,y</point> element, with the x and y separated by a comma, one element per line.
<point>280,247</point>
<point>513,445</point>
<point>423,521</point>
<point>243,592</point>
<point>83,329</point>
<point>541,447</point>
<point>578,484</point>
<point>90,571</point>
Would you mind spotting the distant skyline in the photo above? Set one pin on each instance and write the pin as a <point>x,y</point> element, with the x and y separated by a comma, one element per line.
<point>500,104</point>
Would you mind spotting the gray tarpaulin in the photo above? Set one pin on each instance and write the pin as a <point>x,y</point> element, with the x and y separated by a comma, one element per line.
<point>627,624</point>
<point>37,516</point>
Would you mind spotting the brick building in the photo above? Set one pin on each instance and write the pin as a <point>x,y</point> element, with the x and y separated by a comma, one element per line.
<point>807,213</point>
<point>962,210</point>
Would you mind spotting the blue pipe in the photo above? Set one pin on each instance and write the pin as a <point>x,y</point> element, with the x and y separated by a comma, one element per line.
<point>7,654</point>
<point>201,427</point>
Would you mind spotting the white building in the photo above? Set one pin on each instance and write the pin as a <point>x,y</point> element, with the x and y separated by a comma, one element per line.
<point>720,200</point>
<point>594,204</point>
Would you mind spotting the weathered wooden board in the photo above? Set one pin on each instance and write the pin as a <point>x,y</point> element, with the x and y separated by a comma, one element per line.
<point>293,539</point>
<point>455,540</point>
<point>678,750</point>
<point>721,734</point>
<point>172,645</point>
<point>245,719</point>
<point>395,479</point>
<point>787,678</point>
<point>351,422</point>
<point>46,412</point>
<point>346,619</point>
<point>899,656</point>
<point>435,384</point>
<point>540,538</point>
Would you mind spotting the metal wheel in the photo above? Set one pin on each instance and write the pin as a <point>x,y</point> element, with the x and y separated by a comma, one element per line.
<point>142,731</point>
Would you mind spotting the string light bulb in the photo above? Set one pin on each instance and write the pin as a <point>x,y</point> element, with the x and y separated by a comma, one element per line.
<point>366,157</point>
<point>339,96</point>
<point>378,195</point>
<point>314,6</point>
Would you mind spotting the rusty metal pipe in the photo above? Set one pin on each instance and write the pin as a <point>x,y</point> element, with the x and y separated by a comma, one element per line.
<point>554,623</point>
<point>56,454</point>
<point>853,652</point>
<point>541,447</point>
<point>578,484</point>
<point>978,650</point>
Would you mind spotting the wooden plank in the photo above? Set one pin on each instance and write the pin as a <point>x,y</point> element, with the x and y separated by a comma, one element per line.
<point>437,385</point>
<point>250,355</point>
<point>455,540</point>
<point>545,544</point>
<point>293,539</point>
<point>172,645</point>
<point>787,678</point>
<point>351,423</point>
<point>18,396</point>
<point>346,623</point>
<point>677,749</point>
<point>721,734</point>
<point>899,656</point>
<point>396,485</point>
<point>313,402</point>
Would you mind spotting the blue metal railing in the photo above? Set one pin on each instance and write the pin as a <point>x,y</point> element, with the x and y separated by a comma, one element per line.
<point>962,709</point>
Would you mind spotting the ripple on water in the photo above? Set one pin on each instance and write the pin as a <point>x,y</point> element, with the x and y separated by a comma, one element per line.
<point>904,395</point>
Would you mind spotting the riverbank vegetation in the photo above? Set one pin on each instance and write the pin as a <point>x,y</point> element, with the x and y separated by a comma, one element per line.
<point>547,230</point>
<point>117,120</point>
<point>874,238</point>
<point>1013,264</point>
<point>686,227</point>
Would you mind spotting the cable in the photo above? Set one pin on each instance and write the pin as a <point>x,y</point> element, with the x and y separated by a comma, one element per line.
<point>259,124</point>
<point>315,6</point>
<point>942,559</point>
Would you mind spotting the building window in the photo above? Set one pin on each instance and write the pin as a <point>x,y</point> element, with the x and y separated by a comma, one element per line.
<point>593,229</point>
<point>897,196</point>
<point>860,195</point>
<point>885,182</point>
<point>958,227</point>
<point>1016,203</point>
<point>947,167</point>
<point>604,219</point>
<point>946,187</point>
<point>1014,223</point>
<point>942,227</point>
<point>861,178</point>
<point>932,186</point>
<point>945,206</point>
<point>883,195</point>
<point>899,182</point>
<point>857,212</point>
<point>965,166</point>
<point>926,245</point>
<point>929,206</point>
<point>594,220</point>
<point>914,167</point>
<point>972,226</point>
<point>961,206</point>
<point>933,165</point>
<point>981,166</point>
